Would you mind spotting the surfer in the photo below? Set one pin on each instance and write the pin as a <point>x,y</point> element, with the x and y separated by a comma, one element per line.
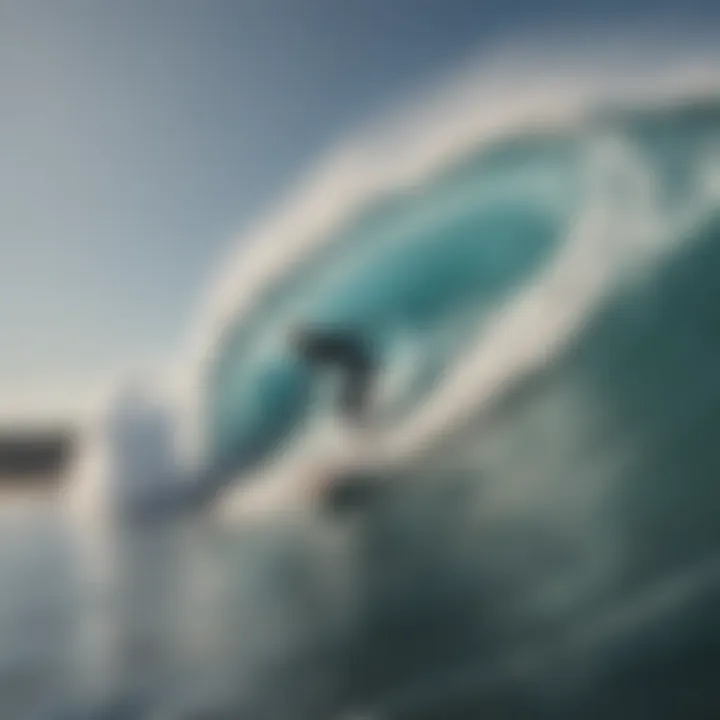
<point>347,352</point>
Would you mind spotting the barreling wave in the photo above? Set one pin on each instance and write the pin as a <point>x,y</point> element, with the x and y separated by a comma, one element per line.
<point>472,253</point>
<point>536,271</point>
<point>537,276</point>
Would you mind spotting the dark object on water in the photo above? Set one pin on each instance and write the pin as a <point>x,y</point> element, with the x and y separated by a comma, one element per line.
<point>344,350</point>
<point>34,453</point>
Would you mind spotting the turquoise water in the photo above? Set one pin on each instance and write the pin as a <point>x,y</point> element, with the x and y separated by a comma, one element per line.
<point>552,553</point>
<point>418,274</point>
<point>578,496</point>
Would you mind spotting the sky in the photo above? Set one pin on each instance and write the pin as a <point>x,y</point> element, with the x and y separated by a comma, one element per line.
<point>139,137</point>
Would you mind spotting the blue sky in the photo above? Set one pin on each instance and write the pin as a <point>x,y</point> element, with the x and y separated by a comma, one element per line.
<point>138,136</point>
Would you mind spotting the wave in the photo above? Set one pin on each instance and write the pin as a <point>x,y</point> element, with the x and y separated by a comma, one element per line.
<point>471,255</point>
<point>539,286</point>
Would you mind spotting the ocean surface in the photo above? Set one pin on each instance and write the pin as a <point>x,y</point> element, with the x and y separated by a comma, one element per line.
<point>543,308</point>
<point>178,619</point>
<point>407,608</point>
<point>542,536</point>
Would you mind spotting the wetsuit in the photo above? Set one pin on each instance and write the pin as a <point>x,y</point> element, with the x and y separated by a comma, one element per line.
<point>343,350</point>
<point>346,351</point>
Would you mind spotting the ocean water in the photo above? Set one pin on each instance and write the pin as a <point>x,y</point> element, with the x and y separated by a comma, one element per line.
<point>541,535</point>
<point>160,620</point>
<point>479,273</point>
<point>543,541</point>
